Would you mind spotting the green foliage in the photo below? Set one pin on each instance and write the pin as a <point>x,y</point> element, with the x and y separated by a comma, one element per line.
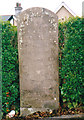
<point>10,76</point>
<point>71,62</point>
<point>0,71</point>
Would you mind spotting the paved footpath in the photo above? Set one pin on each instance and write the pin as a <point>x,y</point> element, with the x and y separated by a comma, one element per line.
<point>66,117</point>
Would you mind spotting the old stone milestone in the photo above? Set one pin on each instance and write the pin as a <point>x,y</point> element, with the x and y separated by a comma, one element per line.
<point>38,60</point>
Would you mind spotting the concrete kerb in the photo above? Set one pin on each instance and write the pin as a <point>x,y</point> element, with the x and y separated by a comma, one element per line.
<point>66,117</point>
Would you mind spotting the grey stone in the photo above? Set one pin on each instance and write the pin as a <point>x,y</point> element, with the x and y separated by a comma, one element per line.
<point>66,117</point>
<point>38,60</point>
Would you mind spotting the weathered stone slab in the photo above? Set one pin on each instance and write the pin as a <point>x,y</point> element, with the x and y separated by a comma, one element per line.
<point>38,60</point>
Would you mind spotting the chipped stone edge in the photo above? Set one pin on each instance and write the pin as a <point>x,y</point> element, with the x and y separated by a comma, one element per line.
<point>28,111</point>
